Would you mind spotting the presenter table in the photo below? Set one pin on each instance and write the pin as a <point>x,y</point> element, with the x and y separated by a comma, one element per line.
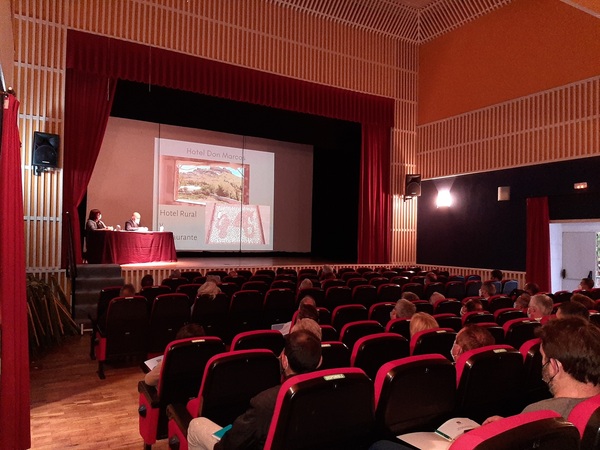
<point>130,247</point>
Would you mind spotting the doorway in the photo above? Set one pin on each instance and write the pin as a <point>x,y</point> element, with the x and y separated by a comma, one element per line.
<point>574,253</point>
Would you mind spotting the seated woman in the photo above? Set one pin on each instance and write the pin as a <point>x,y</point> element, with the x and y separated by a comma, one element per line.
<point>94,221</point>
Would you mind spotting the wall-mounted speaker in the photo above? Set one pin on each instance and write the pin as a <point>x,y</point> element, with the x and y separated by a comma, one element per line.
<point>412,188</point>
<point>45,151</point>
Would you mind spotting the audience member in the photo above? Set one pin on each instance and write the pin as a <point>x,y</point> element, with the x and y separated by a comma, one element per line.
<point>469,338</point>
<point>532,288</point>
<point>410,296</point>
<point>133,224</point>
<point>430,277</point>
<point>302,354</point>
<point>404,309</point>
<point>584,300</point>
<point>326,273</point>
<point>497,275</point>
<point>586,284</point>
<point>175,274</point>
<point>214,278</point>
<point>570,351</point>
<point>522,302</point>
<point>473,304</point>
<point>487,289</point>
<point>540,305</point>
<point>422,321</point>
<point>209,288</point>
<point>307,309</point>
<point>187,331</point>
<point>127,290</point>
<point>572,309</point>
<point>308,324</point>
<point>94,221</point>
<point>147,281</point>
<point>305,284</point>
<point>436,297</point>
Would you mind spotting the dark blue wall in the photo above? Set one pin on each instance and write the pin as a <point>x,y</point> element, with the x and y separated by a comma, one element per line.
<point>479,231</point>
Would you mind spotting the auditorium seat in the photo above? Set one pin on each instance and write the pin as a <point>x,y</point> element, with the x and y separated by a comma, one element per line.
<point>371,351</point>
<point>477,316</point>
<point>245,312</point>
<point>212,314</point>
<point>399,280</point>
<point>562,296</point>
<point>388,292</point>
<point>518,331</point>
<point>488,381</point>
<point>271,340</point>
<point>328,333</point>
<point>586,417</point>
<point>278,306</point>
<point>189,289</point>
<point>337,296</point>
<point>447,306</point>
<point>472,288</point>
<point>495,330</point>
<point>150,293</point>
<point>436,340</point>
<point>357,281</point>
<point>314,292</point>
<point>503,315</point>
<point>173,283</point>
<point>326,284</point>
<point>381,312</point>
<point>415,393</point>
<point>455,289</point>
<point>181,373</point>
<point>106,295</point>
<point>190,275</point>
<point>328,409</point>
<point>399,326</point>
<point>344,314</point>
<point>415,288</point>
<point>508,286</point>
<point>268,272</point>
<point>364,295</point>
<point>352,331</point>
<point>335,354</point>
<point>423,306</point>
<point>284,284</point>
<point>434,287</point>
<point>448,320</point>
<point>540,430</point>
<point>168,314</point>
<point>256,285</point>
<point>229,288</point>
<point>496,302</point>
<point>125,332</point>
<point>230,380</point>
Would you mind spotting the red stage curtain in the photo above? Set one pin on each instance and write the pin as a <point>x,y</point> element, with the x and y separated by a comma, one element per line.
<point>115,59</point>
<point>88,100</point>
<point>538,242</point>
<point>374,210</point>
<point>14,379</point>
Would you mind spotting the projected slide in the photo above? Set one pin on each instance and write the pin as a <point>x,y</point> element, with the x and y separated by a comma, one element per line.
<point>214,197</point>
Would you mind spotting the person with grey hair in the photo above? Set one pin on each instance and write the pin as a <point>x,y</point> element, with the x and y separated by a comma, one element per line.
<point>540,305</point>
<point>403,309</point>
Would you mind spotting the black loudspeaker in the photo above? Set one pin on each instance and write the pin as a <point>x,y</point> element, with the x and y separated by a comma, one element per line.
<point>45,151</point>
<point>412,187</point>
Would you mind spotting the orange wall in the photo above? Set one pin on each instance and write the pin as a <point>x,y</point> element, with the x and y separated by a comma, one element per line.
<point>522,48</point>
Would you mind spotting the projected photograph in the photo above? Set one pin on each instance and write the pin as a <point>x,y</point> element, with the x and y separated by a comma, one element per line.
<point>200,181</point>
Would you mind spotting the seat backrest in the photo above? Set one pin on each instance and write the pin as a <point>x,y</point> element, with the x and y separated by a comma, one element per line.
<point>353,331</point>
<point>344,314</point>
<point>518,331</point>
<point>456,289</point>
<point>495,330</point>
<point>126,328</point>
<point>183,367</point>
<point>434,287</point>
<point>472,288</point>
<point>372,351</point>
<point>327,409</point>
<point>543,430</point>
<point>586,417</point>
<point>259,339</point>
<point>497,302</point>
<point>237,279</point>
<point>423,306</point>
<point>229,288</point>
<point>315,292</point>
<point>169,313</point>
<point>503,315</point>
<point>230,380</point>
<point>436,340</point>
<point>415,288</point>
<point>389,292</point>
<point>337,296</point>
<point>326,284</point>
<point>535,389</point>
<point>364,294</point>
<point>189,289</point>
<point>245,311</point>
<point>173,283</point>
<point>489,382</point>
<point>328,333</point>
<point>284,284</point>
<point>106,295</point>
<point>411,393</point>
<point>477,316</point>
<point>150,292</point>
<point>211,313</point>
<point>448,306</point>
<point>260,286</point>
<point>335,354</point>
<point>278,306</point>
<point>508,286</point>
<point>381,312</point>
<point>449,320</point>
<point>400,326</point>
<point>190,275</point>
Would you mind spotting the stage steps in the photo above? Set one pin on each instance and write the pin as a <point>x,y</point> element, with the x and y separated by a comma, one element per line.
<point>91,278</point>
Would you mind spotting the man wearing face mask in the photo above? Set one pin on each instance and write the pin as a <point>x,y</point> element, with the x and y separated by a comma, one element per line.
<point>469,338</point>
<point>133,224</point>
<point>570,351</point>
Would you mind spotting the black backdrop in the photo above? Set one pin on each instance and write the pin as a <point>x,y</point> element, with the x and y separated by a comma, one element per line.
<point>336,163</point>
<point>480,231</point>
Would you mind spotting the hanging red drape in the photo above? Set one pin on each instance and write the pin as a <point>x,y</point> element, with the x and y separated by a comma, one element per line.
<point>115,59</point>
<point>88,100</point>
<point>14,378</point>
<point>374,210</point>
<point>538,242</point>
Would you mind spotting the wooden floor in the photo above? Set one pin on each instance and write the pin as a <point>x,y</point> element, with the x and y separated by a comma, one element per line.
<point>72,408</point>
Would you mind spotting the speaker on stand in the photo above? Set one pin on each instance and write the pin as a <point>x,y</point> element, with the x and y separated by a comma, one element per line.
<point>45,152</point>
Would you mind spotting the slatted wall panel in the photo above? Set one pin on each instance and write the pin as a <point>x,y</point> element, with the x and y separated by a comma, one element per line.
<point>265,35</point>
<point>554,125</point>
<point>483,273</point>
<point>442,16</point>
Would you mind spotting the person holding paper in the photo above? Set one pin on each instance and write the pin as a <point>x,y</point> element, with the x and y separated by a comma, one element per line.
<point>302,354</point>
